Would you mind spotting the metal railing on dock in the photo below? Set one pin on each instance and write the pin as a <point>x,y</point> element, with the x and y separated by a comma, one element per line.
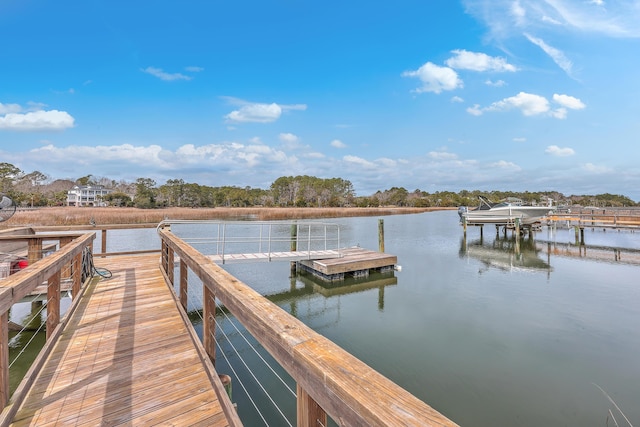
<point>225,240</point>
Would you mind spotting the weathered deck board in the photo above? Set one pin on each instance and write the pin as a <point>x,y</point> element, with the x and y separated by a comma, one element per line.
<point>125,358</point>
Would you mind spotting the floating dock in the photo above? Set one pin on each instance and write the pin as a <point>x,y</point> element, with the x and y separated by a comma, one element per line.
<point>357,262</point>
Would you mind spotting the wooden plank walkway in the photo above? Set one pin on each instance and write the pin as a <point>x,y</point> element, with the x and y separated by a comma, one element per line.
<point>126,357</point>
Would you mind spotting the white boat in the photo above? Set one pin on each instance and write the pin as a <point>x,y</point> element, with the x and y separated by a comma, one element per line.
<point>504,212</point>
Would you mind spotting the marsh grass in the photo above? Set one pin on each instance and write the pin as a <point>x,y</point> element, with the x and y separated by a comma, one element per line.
<point>62,216</point>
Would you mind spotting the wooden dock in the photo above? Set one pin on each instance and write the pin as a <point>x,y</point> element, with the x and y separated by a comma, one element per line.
<point>126,357</point>
<point>357,262</point>
<point>125,352</point>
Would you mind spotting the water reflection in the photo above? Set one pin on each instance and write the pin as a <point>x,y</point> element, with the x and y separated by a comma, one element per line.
<point>350,285</point>
<point>505,253</point>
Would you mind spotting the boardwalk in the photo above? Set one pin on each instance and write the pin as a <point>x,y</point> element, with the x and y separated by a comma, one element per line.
<point>125,358</point>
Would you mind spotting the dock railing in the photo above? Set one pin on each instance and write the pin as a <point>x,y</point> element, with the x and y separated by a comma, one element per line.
<point>227,238</point>
<point>64,263</point>
<point>330,381</point>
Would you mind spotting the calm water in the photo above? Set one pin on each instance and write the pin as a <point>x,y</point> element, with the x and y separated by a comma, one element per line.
<point>485,335</point>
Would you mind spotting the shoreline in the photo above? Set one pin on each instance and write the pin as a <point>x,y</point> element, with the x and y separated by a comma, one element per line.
<point>61,216</point>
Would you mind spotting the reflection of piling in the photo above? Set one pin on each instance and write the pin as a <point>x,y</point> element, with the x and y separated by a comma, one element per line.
<point>579,235</point>
<point>226,382</point>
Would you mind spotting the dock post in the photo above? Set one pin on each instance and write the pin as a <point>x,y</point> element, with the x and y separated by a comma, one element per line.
<point>309,413</point>
<point>293,247</point>
<point>582,236</point>
<point>517,233</point>
<point>481,229</point>
<point>5,394</point>
<point>381,235</point>
<point>103,243</point>
<point>464,226</point>
<point>209,322</point>
<point>577,231</point>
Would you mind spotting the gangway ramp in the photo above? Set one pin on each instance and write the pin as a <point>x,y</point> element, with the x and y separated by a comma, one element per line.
<point>276,256</point>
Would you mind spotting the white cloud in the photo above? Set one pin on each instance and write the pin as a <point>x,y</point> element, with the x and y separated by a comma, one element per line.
<point>507,18</point>
<point>336,143</point>
<point>559,113</point>
<point>37,121</point>
<point>435,78</point>
<point>290,141</point>
<point>497,83</point>
<point>86,155</point>
<point>554,150</point>
<point>258,112</point>
<point>557,55</point>
<point>9,108</point>
<point>442,155</point>
<point>475,110</point>
<point>386,162</point>
<point>162,75</point>
<point>503,164</point>
<point>519,139</point>
<point>550,20</point>
<point>530,104</point>
<point>288,138</point>
<point>590,167</point>
<point>457,99</point>
<point>359,161</point>
<point>569,101</point>
<point>475,61</point>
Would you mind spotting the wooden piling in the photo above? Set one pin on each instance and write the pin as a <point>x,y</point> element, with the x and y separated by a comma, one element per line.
<point>293,247</point>
<point>381,235</point>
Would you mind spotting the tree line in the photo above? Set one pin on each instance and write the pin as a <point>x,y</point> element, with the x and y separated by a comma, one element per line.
<point>36,189</point>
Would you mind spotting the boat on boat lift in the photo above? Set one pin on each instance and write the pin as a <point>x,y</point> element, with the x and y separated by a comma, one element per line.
<point>504,212</point>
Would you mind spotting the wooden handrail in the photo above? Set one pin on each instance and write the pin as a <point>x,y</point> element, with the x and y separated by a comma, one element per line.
<point>22,283</point>
<point>328,378</point>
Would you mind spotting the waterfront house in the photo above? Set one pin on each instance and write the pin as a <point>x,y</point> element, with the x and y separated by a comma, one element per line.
<point>87,195</point>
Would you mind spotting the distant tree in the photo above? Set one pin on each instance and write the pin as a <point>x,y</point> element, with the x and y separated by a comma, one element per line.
<point>8,174</point>
<point>86,180</point>
<point>117,198</point>
<point>145,193</point>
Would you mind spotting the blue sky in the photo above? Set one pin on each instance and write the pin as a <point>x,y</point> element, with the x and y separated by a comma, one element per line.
<point>436,95</point>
